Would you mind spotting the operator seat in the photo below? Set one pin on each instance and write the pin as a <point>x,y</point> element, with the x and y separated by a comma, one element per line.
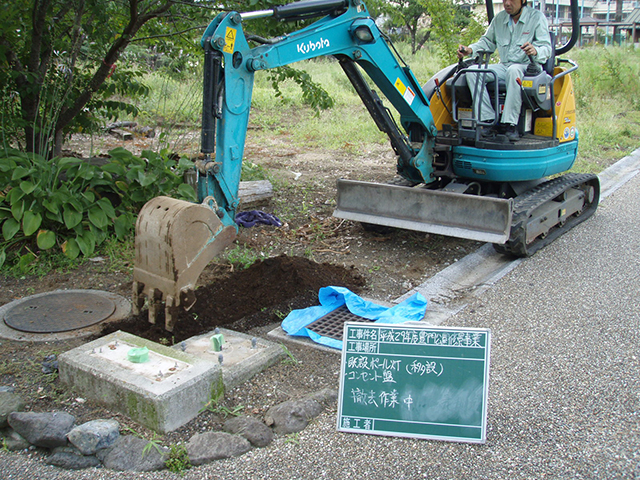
<point>536,85</point>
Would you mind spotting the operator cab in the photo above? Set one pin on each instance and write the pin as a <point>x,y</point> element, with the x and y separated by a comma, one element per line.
<point>547,116</point>
<point>536,88</point>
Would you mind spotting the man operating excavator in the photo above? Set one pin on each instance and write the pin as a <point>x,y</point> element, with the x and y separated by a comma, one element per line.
<point>517,32</point>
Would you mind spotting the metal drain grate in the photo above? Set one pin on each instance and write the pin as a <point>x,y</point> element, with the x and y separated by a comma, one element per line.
<point>59,312</point>
<point>332,324</point>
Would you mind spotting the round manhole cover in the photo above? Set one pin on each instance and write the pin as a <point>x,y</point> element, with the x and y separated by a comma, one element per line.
<point>59,312</point>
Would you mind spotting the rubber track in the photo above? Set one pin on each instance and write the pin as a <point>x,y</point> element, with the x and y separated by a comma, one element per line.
<point>526,203</point>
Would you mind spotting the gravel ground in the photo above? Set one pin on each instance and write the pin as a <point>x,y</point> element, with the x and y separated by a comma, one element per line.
<point>564,395</point>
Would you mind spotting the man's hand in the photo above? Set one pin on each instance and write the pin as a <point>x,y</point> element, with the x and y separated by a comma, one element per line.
<point>529,49</point>
<point>463,51</point>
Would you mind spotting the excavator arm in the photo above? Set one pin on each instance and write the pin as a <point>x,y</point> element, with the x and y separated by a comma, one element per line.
<point>347,33</point>
<point>175,240</point>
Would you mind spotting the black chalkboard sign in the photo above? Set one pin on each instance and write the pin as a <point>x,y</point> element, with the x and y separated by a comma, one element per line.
<point>414,381</point>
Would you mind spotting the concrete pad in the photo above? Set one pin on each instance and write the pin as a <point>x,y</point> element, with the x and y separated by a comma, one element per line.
<point>150,393</point>
<point>173,386</point>
<point>279,334</point>
<point>241,360</point>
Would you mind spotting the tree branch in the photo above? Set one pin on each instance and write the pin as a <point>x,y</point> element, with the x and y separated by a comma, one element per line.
<point>136,21</point>
<point>38,20</point>
<point>164,35</point>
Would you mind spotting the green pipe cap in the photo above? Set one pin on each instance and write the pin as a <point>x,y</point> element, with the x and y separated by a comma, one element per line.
<point>138,355</point>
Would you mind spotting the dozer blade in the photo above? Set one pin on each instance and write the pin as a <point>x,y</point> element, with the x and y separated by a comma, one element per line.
<point>175,240</point>
<point>485,219</point>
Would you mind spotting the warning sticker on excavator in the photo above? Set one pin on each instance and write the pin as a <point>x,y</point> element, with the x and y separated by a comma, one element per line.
<point>405,91</point>
<point>527,83</point>
<point>230,39</point>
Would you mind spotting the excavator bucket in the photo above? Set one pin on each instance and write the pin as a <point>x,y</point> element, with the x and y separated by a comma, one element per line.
<point>453,214</point>
<point>175,240</point>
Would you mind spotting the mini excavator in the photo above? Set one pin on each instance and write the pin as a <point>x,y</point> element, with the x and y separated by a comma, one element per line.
<point>450,179</point>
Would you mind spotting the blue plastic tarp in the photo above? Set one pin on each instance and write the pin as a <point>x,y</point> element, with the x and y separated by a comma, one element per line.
<point>412,309</point>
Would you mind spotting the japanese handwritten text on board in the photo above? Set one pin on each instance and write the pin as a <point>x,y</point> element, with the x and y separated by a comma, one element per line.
<point>414,381</point>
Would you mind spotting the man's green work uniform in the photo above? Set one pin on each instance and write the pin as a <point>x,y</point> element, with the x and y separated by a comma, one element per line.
<point>507,37</point>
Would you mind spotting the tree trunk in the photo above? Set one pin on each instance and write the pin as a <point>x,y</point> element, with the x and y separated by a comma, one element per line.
<point>413,30</point>
<point>41,135</point>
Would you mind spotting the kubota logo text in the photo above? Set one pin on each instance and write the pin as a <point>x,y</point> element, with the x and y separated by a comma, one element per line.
<point>310,46</point>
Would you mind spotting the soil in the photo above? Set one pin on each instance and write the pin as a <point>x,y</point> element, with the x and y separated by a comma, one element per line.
<point>311,250</point>
<point>242,301</point>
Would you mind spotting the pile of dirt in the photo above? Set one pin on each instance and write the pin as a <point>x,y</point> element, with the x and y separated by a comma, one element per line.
<point>258,296</point>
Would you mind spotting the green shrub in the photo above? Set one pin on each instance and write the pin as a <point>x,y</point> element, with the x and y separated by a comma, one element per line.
<point>74,205</point>
<point>178,460</point>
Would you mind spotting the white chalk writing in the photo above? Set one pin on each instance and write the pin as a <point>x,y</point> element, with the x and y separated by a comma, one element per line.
<point>357,423</point>
<point>380,398</point>
<point>372,369</point>
<point>424,368</point>
<point>362,347</point>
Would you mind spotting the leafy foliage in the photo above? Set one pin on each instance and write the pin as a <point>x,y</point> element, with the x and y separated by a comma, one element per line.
<point>443,22</point>
<point>451,26</point>
<point>74,205</point>
<point>410,15</point>
<point>62,64</point>
<point>178,459</point>
<point>312,93</point>
<point>70,66</point>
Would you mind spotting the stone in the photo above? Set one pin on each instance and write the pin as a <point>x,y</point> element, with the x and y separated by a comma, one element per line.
<point>48,430</point>
<point>326,396</point>
<point>131,453</point>
<point>206,447</point>
<point>293,415</point>
<point>94,435</point>
<point>9,402</point>
<point>50,364</point>
<point>71,459</point>
<point>258,434</point>
<point>12,440</point>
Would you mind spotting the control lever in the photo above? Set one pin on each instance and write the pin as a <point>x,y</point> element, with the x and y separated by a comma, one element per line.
<point>524,94</point>
<point>533,68</point>
<point>461,63</point>
<point>439,95</point>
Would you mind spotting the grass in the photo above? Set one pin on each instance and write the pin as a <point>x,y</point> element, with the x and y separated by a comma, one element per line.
<point>293,438</point>
<point>607,90</point>
<point>290,358</point>
<point>215,407</point>
<point>119,258</point>
<point>178,459</point>
<point>172,101</point>
<point>242,257</point>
